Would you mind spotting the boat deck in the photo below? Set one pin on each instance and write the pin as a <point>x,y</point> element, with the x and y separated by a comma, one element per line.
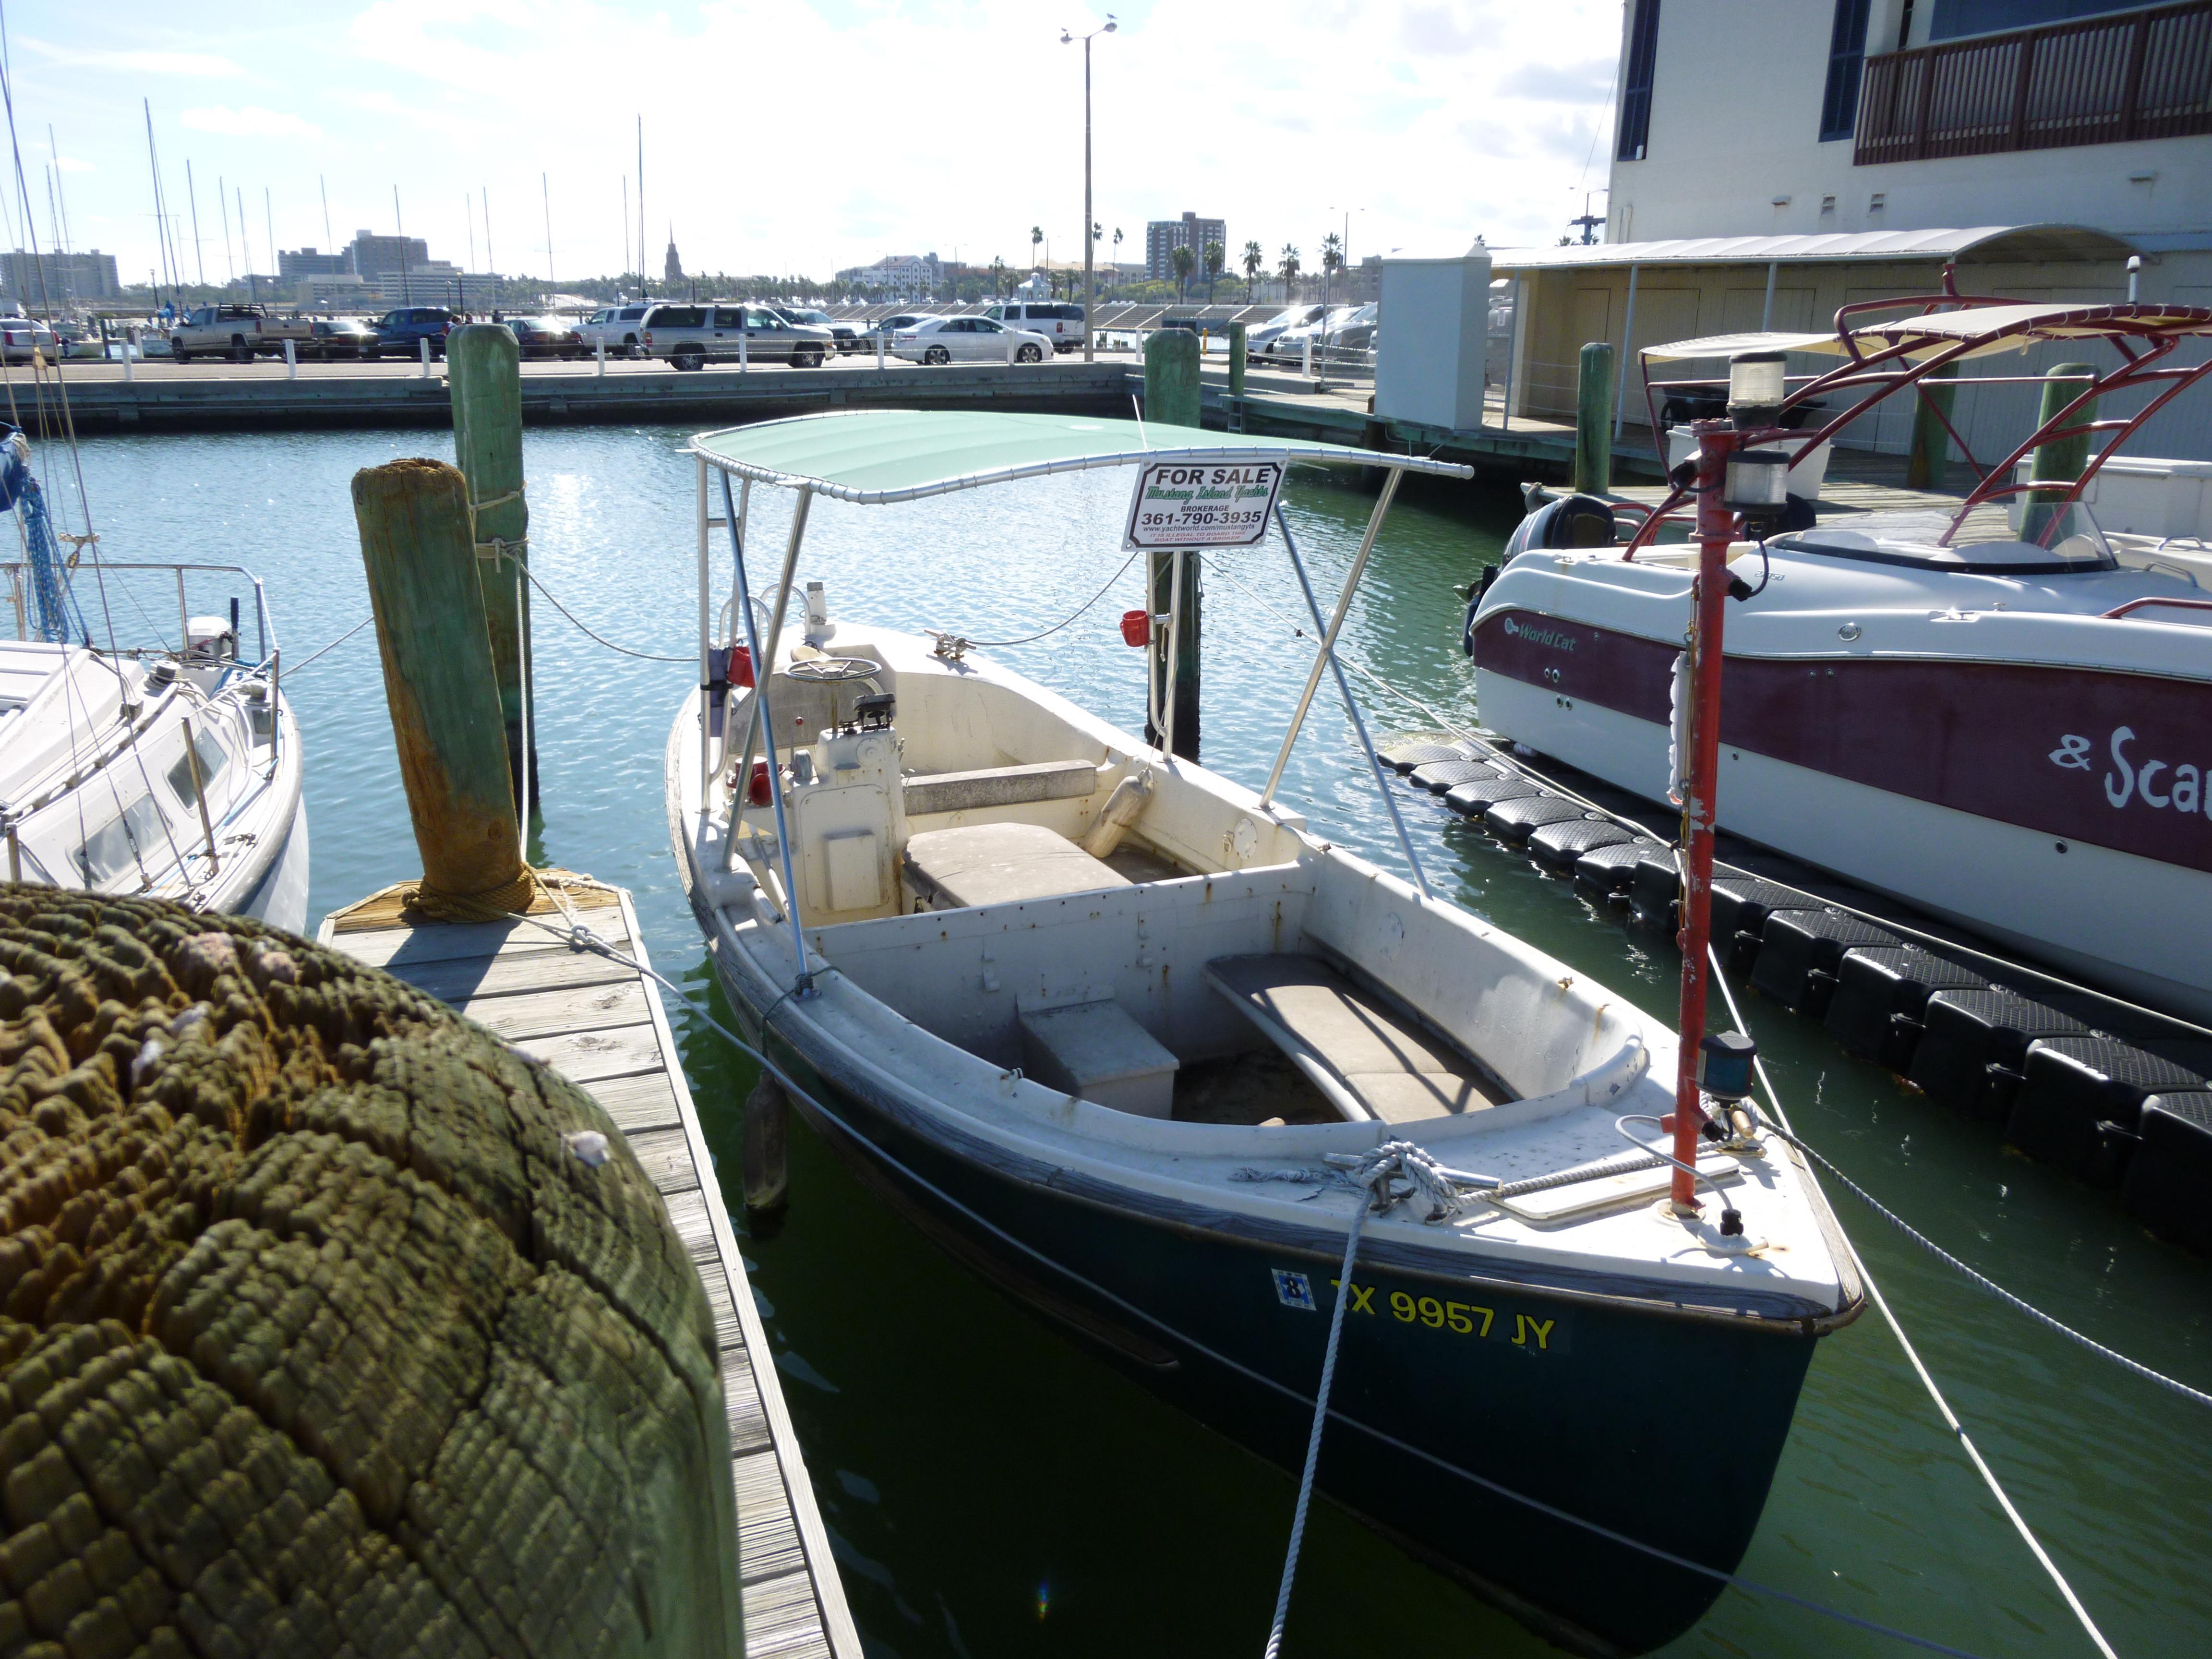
<point>602,1026</point>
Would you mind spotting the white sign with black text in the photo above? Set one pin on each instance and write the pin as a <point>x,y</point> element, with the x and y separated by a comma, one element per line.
<point>1202,503</point>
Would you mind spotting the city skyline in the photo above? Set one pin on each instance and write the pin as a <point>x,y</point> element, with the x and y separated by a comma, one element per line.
<point>453,104</point>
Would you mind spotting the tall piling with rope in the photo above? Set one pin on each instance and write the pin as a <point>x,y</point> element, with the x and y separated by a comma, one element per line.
<point>1171,399</point>
<point>485,371</point>
<point>438,676</point>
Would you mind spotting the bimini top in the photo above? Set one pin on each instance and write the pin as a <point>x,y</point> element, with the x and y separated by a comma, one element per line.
<point>878,455</point>
<point>1994,328</point>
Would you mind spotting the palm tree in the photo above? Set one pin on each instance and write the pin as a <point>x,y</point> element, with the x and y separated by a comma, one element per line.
<point>1254,260</point>
<point>1184,262</point>
<point>1332,261</point>
<point>998,274</point>
<point>1036,235</point>
<point>1215,257</point>
<point>1290,270</point>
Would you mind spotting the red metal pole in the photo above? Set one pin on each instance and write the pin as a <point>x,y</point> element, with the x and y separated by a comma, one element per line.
<point>1716,530</point>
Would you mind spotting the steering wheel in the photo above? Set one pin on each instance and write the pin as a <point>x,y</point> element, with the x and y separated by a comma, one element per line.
<point>831,671</point>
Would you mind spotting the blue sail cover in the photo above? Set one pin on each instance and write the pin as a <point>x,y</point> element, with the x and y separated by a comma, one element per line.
<point>51,599</point>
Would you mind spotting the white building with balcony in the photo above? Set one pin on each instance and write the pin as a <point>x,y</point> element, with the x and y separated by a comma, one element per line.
<point>1774,160</point>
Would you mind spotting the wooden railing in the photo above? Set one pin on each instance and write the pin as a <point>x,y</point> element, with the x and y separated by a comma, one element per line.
<point>2136,75</point>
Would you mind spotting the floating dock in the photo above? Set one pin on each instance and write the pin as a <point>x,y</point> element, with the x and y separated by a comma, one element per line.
<point>601,1025</point>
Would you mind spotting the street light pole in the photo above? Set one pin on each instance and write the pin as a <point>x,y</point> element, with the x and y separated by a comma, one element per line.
<point>1089,243</point>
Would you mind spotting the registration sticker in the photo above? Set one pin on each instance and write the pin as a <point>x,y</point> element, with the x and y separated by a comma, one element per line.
<point>1507,1326</point>
<point>1295,1291</point>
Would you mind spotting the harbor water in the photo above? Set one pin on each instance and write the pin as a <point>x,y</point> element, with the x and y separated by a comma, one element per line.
<point>990,1487</point>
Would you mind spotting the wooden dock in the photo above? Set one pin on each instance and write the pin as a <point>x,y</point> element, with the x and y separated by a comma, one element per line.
<point>602,1026</point>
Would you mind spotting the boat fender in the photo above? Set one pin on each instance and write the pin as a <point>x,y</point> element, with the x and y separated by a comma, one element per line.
<point>1678,727</point>
<point>1122,810</point>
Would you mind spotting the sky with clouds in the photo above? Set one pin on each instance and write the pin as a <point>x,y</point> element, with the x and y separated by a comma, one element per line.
<point>801,138</point>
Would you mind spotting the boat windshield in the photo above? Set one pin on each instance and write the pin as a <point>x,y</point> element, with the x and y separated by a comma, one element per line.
<point>2075,546</point>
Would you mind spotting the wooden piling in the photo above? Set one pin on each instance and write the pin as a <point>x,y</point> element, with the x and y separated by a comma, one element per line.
<point>1171,399</point>
<point>1930,458</point>
<point>438,675</point>
<point>1237,359</point>
<point>1594,420</point>
<point>1171,362</point>
<point>483,370</point>
<point>2062,460</point>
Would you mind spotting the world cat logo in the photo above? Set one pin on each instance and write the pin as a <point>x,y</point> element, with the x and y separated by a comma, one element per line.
<point>1550,638</point>
<point>2158,784</point>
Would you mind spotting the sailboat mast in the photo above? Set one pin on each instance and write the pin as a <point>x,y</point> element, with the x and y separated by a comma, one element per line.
<point>643,288</point>
<point>322,185</point>
<point>545,184</point>
<point>193,195</point>
<point>153,166</point>
<point>61,195</point>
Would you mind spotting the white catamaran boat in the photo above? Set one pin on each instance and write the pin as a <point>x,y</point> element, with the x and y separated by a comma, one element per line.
<point>2004,728</point>
<point>168,771</point>
<point>1097,1019</point>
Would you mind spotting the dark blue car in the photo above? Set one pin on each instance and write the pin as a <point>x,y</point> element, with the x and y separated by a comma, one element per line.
<point>400,333</point>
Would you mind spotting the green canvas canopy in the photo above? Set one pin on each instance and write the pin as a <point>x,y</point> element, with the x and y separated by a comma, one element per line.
<point>879,455</point>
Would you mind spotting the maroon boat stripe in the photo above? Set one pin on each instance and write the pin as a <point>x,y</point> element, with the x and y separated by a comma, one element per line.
<point>2110,758</point>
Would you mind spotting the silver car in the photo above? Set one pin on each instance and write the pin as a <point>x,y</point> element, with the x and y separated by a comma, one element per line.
<point>689,336</point>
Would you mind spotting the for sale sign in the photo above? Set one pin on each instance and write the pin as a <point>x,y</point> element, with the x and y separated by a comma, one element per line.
<point>1185,504</point>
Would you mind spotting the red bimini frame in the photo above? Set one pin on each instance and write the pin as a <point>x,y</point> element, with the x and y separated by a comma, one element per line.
<point>1880,360</point>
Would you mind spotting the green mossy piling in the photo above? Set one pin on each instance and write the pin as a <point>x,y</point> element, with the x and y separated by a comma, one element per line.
<point>321,1331</point>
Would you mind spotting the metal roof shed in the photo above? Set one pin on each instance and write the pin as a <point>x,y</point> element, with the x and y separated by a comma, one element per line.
<point>1642,294</point>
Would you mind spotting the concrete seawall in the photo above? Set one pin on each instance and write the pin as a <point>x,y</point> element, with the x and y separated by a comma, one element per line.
<point>170,398</point>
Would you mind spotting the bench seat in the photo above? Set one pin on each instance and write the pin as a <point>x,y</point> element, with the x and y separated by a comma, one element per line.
<point>999,786</point>
<point>999,864</point>
<point>1369,1062</point>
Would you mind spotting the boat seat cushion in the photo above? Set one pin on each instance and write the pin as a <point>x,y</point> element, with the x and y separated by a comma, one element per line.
<point>1000,864</point>
<point>1370,1062</point>
<point>999,786</point>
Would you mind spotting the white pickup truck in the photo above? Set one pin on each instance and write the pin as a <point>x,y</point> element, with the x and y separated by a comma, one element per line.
<point>239,333</point>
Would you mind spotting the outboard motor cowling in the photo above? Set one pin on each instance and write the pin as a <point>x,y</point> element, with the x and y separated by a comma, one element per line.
<point>1564,522</point>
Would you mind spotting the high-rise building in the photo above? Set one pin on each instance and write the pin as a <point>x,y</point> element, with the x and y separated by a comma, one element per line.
<point>1164,236</point>
<point>374,256</point>
<point>307,262</point>
<point>31,280</point>
<point>674,270</point>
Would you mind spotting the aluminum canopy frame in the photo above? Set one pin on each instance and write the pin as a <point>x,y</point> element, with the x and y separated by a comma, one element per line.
<point>1886,357</point>
<point>878,456</point>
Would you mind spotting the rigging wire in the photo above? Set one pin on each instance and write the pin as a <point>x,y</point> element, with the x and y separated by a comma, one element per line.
<point>642,656</point>
<point>1030,639</point>
<point>1942,1406</point>
<point>294,672</point>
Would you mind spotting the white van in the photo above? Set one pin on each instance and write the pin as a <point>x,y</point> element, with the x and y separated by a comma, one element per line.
<point>1058,321</point>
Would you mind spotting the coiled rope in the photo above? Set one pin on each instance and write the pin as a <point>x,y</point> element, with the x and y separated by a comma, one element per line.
<point>580,937</point>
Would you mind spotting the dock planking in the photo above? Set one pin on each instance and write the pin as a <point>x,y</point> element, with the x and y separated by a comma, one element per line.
<point>602,1025</point>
